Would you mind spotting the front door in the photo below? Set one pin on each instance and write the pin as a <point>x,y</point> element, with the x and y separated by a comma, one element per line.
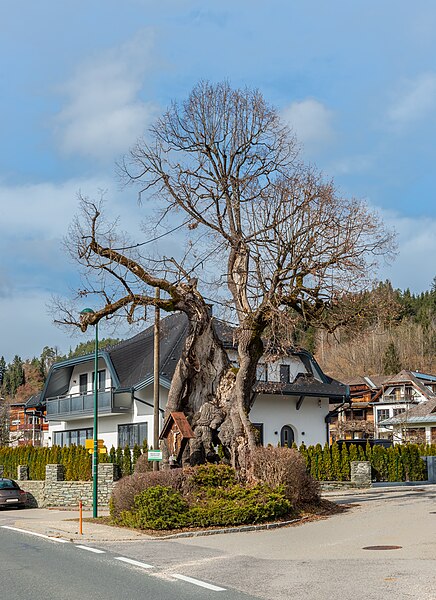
<point>286,436</point>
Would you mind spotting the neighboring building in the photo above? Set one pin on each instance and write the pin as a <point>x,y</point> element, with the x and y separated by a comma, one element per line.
<point>27,424</point>
<point>417,425</point>
<point>291,402</point>
<point>355,420</point>
<point>397,396</point>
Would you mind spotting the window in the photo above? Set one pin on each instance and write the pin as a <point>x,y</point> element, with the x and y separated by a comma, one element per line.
<point>83,383</point>
<point>8,484</point>
<point>259,427</point>
<point>262,372</point>
<point>101,380</point>
<point>398,411</point>
<point>284,373</point>
<point>382,414</point>
<point>358,413</point>
<point>73,436</point>
<point>134,433</point>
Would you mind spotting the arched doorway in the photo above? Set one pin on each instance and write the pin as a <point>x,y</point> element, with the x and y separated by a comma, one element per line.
<point>287,436</point>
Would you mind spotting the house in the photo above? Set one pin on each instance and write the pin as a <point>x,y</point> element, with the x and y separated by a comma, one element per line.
<point>397,396</point>
<point>27,424</point>
<point>406,408</point>
<point>291,403</point>
<point>356,419</point>
<point>416,425</point>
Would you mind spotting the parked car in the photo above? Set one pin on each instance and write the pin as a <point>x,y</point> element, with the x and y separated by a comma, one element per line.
<point>11,494</point>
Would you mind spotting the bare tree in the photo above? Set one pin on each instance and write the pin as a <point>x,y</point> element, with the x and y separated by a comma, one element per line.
<point>285,244</point>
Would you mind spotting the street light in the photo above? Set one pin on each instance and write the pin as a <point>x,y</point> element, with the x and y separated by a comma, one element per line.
<point>86,311</point>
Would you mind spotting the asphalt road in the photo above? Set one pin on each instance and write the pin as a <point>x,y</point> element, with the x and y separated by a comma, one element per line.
<point>34,568</point>
<point>318,560</point>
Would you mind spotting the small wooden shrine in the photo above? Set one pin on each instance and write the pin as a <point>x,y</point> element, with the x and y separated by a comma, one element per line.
<point>176,432</point>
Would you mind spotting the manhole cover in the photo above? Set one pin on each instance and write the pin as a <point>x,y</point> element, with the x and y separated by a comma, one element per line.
<point>382,547</point>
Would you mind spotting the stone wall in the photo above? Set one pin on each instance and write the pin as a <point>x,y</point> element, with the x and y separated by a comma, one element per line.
<point>54,491</point>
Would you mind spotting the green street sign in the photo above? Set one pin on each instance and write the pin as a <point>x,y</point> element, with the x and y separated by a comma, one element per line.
<point>155,455</point>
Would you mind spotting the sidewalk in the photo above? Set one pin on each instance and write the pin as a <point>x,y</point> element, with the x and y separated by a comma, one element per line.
<point>64,524</point>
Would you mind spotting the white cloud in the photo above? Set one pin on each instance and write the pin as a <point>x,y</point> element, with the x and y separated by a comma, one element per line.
<point>351,164</point>
<point>42,210</point>
<point>416,102</point>
<point>104,115</point>
<point>35,218</point>
<point>311,122</point>
<point>414,266</point>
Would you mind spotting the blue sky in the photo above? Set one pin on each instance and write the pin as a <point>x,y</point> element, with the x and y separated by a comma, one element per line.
<point>80,81</point>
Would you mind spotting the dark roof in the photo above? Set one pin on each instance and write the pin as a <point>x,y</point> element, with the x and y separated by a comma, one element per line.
<point>133,358</point>
<point>132,362</point>
<point>305,386</point>
<point>34,401</point>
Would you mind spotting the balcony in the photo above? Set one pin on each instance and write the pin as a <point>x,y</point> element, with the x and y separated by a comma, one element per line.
<point>29,427</point>
<point>77,406</point>
<point>394,399</point>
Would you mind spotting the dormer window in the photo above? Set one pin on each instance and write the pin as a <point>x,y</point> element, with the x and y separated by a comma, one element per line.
<point>101,380</point>
<point>262,372</point>
<point>83,383</point>
<point>284,373</point>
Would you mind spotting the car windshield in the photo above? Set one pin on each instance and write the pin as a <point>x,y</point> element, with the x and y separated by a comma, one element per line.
<point>8,484</point>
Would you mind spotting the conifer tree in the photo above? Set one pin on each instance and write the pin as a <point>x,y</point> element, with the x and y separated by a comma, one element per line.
<point>327,463</point>
<point>336,462</point>
<point>345,463</point>
<point>391,360</point>
<point>127,461</point>
<point>112,455</point>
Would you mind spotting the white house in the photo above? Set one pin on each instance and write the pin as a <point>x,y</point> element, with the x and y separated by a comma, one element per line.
<point>397,397</point>
<point>291,403</point>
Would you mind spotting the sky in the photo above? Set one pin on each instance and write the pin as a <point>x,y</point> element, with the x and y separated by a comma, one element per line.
<point>81,81</point>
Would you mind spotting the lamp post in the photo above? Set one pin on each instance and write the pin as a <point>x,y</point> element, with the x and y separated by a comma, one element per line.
<point>95,449</point>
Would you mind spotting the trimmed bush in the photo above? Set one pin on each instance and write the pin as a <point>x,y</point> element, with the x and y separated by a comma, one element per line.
<point>285,467</point>
<point>158,507</point>
<point>211,476</point>
<point>238,506</point>
<point>125,490</point>
<point>142,464</point>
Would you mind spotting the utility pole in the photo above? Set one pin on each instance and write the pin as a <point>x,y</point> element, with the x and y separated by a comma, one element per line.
<point>156,379</point>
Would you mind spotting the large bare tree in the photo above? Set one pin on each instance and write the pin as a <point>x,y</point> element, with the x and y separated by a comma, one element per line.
<point>282,241</point>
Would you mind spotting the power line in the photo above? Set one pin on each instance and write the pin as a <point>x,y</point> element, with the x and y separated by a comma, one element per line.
<point>153,239</point>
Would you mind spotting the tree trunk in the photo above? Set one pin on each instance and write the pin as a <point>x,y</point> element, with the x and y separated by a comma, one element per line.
<point>215,397</point>
<point>202,385</point>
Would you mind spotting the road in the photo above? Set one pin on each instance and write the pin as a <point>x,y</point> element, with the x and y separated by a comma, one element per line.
<point>318,560</point>
<point>34,568</point>
<point>324,559</point>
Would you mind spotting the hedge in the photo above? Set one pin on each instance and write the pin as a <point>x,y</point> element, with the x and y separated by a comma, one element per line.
<point>328,463</point>
<point>77,460</point>
<point>397,463</point>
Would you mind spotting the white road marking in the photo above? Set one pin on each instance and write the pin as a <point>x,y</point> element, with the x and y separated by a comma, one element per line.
<point>95,550</point>
<point>41,535</point>
<point>208,586</point>
<point>135,563</point>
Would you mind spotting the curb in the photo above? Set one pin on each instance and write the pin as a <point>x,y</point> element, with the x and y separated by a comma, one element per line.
<point>241,529</point>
